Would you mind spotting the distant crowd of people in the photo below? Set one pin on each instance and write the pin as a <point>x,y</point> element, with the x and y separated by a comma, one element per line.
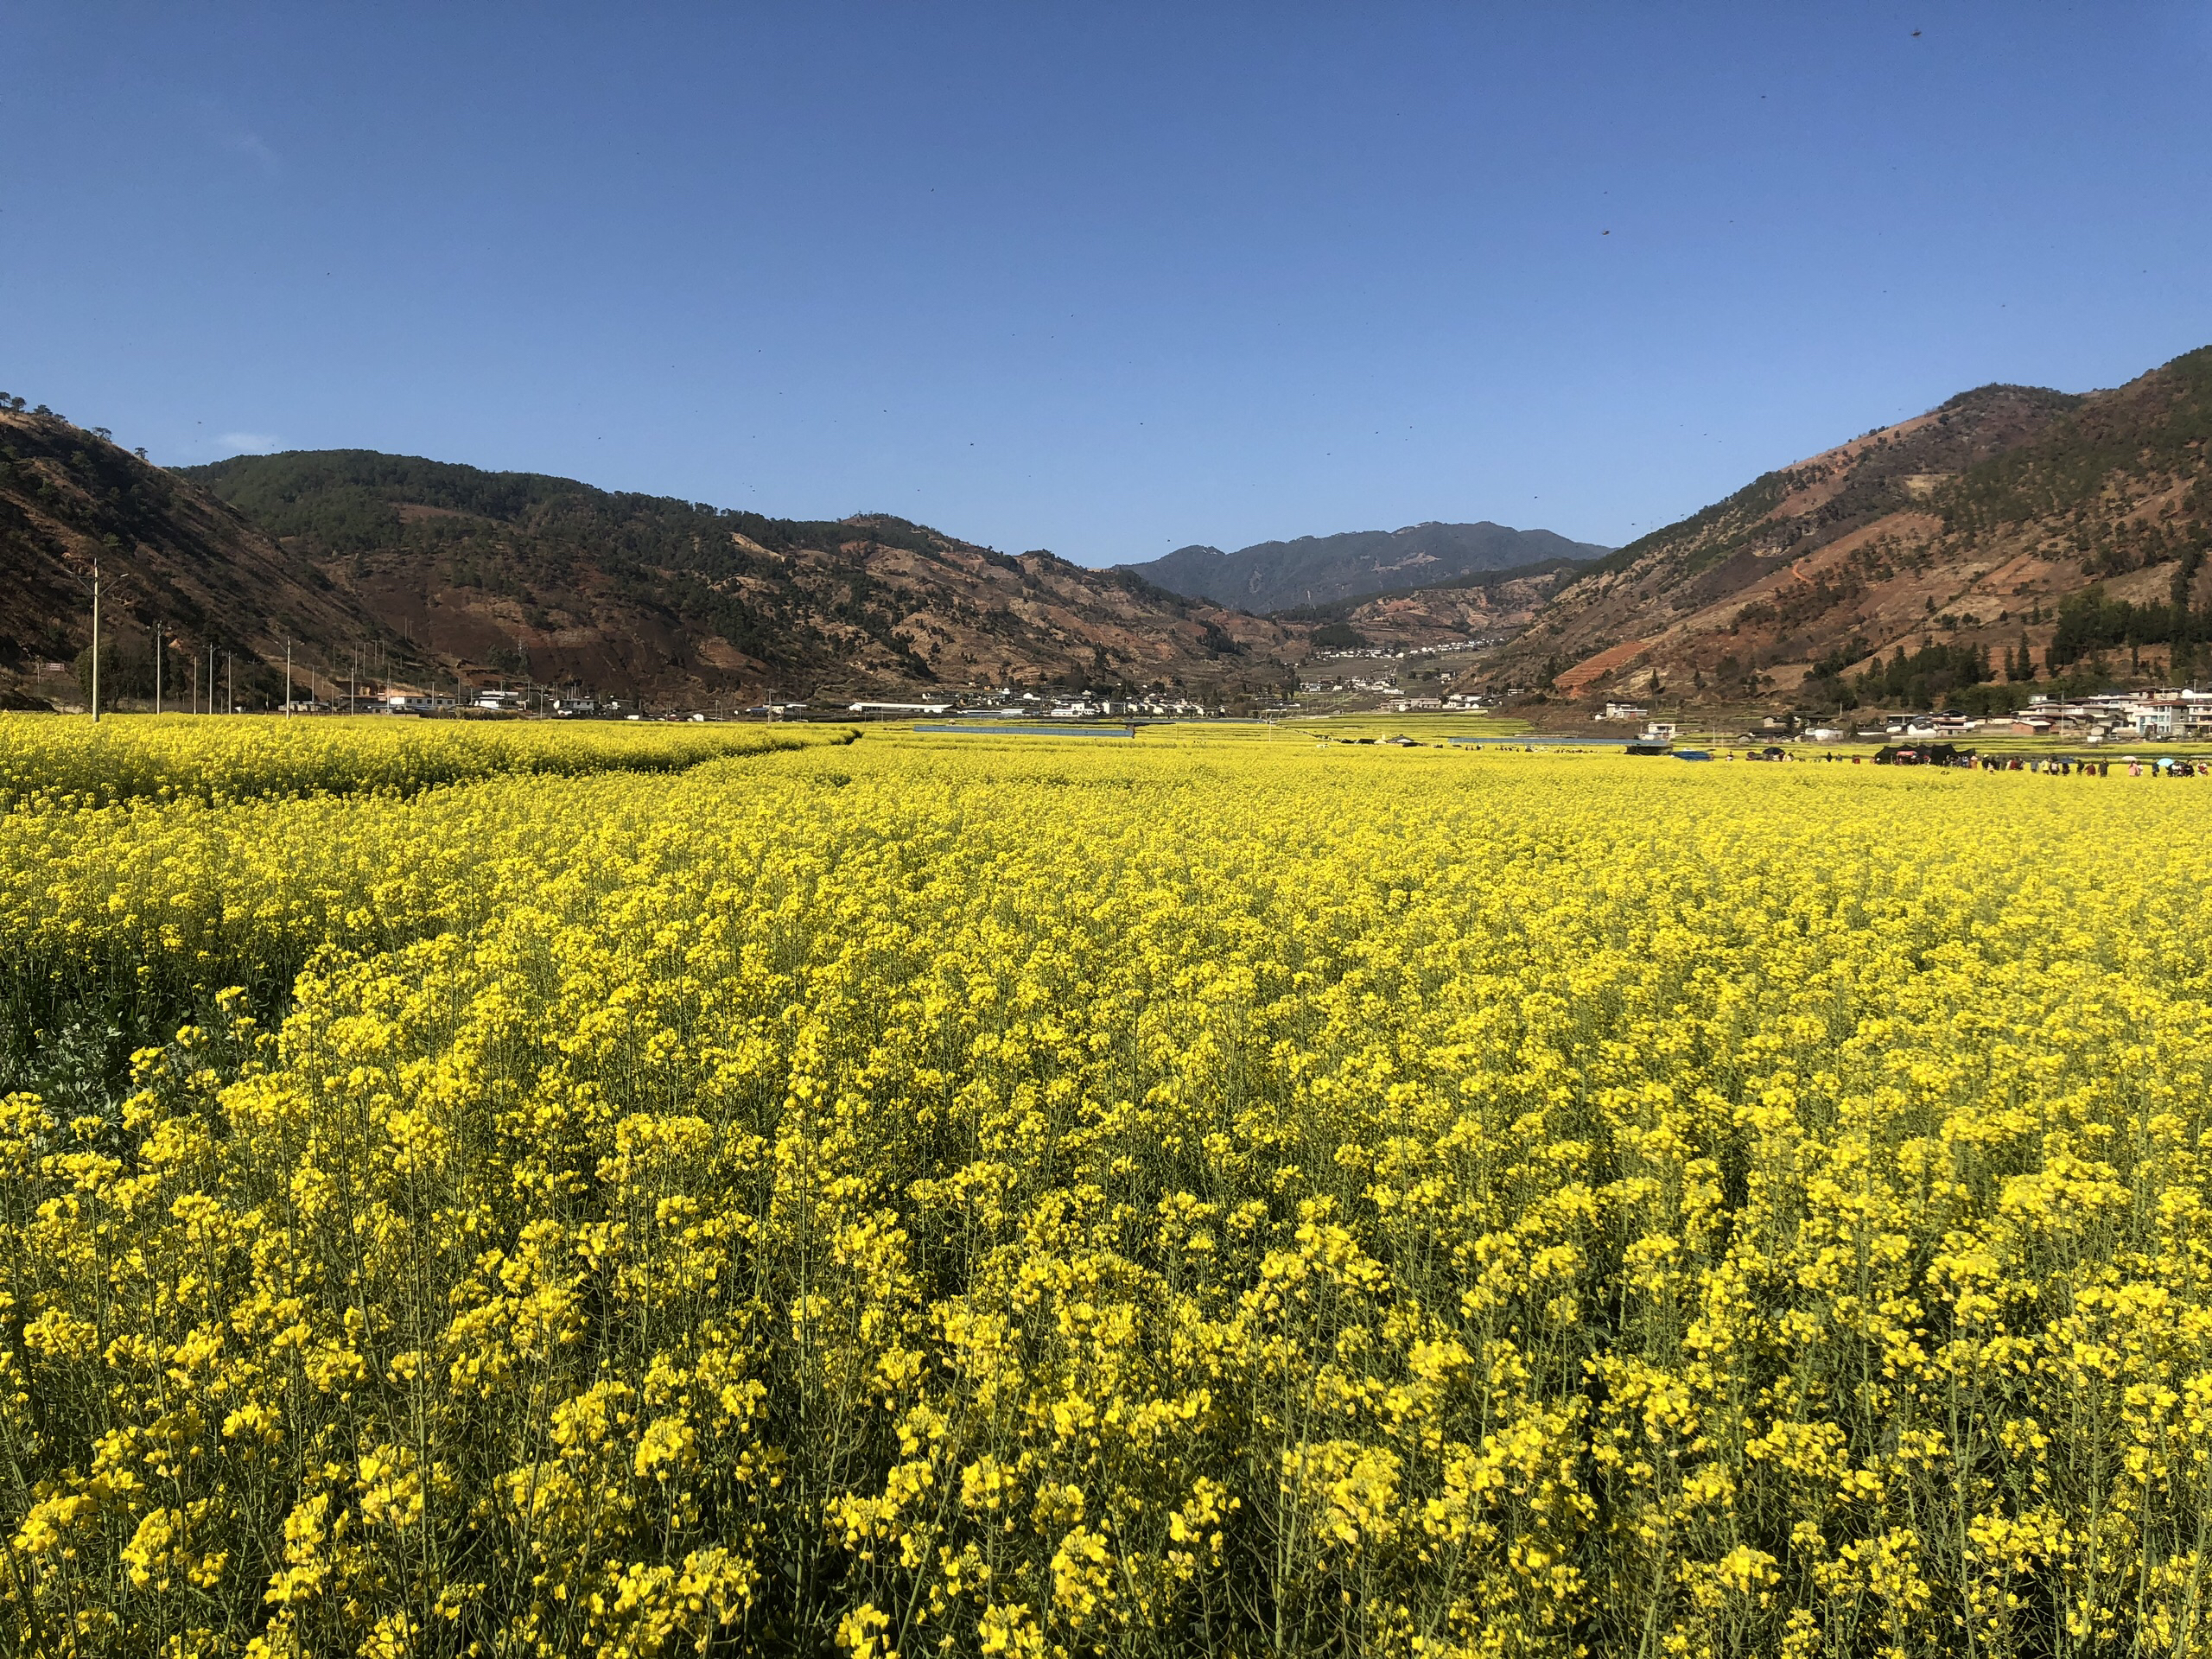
<point>1937,754</point>
<point>2053,766</point>
<point>2058,766</point>
<point>2163,766</point>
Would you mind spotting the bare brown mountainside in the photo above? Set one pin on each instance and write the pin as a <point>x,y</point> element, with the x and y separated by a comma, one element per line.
<point>169,553</point>
<point>1971,527</point>
<point>424,570</point>
<point>524,574</point>
<point>1427,618</point>
<point>1477,609</point>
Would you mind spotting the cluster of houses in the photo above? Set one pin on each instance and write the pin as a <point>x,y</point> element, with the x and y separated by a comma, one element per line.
<point>429,703</point>
<point>1389,688</point>
<point>403,700</point>
<point>1459,702</point>
<point>1028,705</point>
<point>2113,716</point>
<point>496,702</point>
<point>1008,705</point>
<point>1387,654</point>
<point>2121,715</point>
<point>1399,703</point>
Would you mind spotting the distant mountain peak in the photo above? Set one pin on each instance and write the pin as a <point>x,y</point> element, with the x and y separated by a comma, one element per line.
<point>1322,570</point>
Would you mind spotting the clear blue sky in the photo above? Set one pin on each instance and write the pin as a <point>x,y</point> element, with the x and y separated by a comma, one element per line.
<point>1101,278</point>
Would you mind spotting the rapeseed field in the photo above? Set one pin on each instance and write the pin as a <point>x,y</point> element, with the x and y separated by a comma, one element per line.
<point>967,1196</point>
<point>59,765</point>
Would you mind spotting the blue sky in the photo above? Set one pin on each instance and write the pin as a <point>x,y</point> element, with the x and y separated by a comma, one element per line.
<point>1101,278</point>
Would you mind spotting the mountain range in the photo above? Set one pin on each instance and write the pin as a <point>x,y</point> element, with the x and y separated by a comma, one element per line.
<point>423,568</point>
<point>1318,570</point>
<point>2040,528</point>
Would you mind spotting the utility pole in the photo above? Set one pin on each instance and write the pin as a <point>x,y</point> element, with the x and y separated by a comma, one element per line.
<point>96,641</point>
<point>94,585</point>
<point>288,673</point>
<point>158,668</point>
<point>230,686</point>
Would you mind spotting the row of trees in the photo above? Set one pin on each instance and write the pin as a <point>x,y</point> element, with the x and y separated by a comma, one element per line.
<point>1959,677</point>
<point>2090,621</point>
<point>1923,676</point>
<point>1916,678</point>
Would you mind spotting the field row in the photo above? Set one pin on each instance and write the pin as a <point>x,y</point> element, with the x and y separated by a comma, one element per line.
<point>48,764</point>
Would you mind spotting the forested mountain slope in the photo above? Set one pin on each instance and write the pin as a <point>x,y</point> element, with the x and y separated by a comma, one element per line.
<point>169,553</point>
<point>1967,537</point>
<point>527,574</point>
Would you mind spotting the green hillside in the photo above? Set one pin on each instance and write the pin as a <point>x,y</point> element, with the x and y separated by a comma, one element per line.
<point>544,540</point>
